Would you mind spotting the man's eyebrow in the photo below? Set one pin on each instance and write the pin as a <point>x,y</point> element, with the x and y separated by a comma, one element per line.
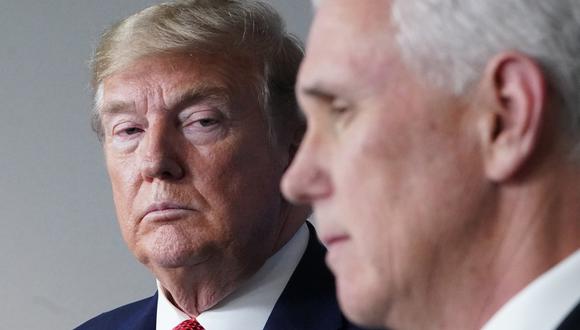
<point>318,92</point>
<point>187,98</point>
<point>117,107</point>
<point>198,94</point>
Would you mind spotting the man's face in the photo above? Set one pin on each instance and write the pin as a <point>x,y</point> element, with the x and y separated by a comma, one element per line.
<point>389,163</point>
<point>194,173</point>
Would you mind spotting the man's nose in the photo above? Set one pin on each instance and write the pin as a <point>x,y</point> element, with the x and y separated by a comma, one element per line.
<point>160,157</point>
<point>307,179</point>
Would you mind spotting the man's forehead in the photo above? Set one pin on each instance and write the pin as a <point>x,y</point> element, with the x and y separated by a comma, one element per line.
<point>165,79</point>
<point>172,100</point>
<point>360,15</point>
<point>159,70</point>
<point>350,27</point>
<point>338,48</point>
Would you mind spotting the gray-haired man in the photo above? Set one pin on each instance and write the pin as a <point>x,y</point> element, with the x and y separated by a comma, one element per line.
<point>442,160</point>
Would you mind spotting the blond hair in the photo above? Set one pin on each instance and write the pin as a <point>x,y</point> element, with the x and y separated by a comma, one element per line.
<point>247,29</point>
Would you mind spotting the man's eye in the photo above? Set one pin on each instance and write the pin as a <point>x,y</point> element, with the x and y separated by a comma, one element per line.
<point>203,123</point>
<point>338,110</point>
<point>127,131</point>
<point>338,107</point>
<point>131,130</point>
<point>207,122</point>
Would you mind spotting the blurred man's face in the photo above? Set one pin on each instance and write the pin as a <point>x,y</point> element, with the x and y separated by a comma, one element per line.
<point>389,163</point>
<point>193,171</point>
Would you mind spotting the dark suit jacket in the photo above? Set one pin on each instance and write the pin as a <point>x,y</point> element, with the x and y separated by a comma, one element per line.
<point>307,303</point>
<point>572,321</point>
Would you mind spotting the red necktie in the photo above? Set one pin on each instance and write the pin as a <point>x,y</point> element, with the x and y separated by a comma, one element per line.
<point>189,325</point>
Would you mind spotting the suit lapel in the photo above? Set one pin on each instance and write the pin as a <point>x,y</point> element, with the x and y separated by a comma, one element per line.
<point>572,321</point>
<point>145,318</point>
<point>308,301</point>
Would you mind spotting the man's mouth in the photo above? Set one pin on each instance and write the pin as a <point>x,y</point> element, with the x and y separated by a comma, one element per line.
<point>166,211</point>
<point>334,239</point>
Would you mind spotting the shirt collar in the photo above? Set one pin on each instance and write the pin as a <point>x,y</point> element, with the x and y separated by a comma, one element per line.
<point>253,302</point>
<point>545,302</point>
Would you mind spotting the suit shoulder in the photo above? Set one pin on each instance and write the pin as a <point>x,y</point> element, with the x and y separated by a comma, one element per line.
<point>136,315</point>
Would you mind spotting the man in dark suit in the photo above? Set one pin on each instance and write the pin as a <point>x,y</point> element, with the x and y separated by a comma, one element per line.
<point>195,108</point>
<point>442,160</point>
<point>308,301</point>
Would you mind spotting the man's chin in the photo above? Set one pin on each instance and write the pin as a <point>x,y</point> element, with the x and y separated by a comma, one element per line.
<point>359,308</point>
<point>171,247</point>
<point>170,261</point>
<point>172,256</point>
<point>363,316</point>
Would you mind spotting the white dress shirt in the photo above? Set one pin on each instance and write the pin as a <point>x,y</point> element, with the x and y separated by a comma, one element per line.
<point>544,303</point>
<point>250,306</point>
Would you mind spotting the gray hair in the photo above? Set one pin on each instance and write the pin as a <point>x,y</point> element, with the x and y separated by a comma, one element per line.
<point>450,41</point>
<point>251,30</point>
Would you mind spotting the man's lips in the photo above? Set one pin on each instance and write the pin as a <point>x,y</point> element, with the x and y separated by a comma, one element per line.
<point>335,244</point>
<point>334,239</point>
<point>166,211</point>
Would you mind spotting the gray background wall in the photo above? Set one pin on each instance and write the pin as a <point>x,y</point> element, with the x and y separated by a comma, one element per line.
<point>62,258</point>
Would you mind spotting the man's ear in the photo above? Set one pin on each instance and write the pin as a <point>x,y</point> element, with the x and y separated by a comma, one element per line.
<point>513,93</point>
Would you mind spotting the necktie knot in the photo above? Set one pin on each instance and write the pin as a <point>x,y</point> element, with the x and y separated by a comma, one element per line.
<point>189,325</point>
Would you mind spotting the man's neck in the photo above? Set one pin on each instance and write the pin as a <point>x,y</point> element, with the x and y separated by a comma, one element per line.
<point>529,230</point>
<point>197,288</point>
<point>261,291</point>
<point>194,290</point>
